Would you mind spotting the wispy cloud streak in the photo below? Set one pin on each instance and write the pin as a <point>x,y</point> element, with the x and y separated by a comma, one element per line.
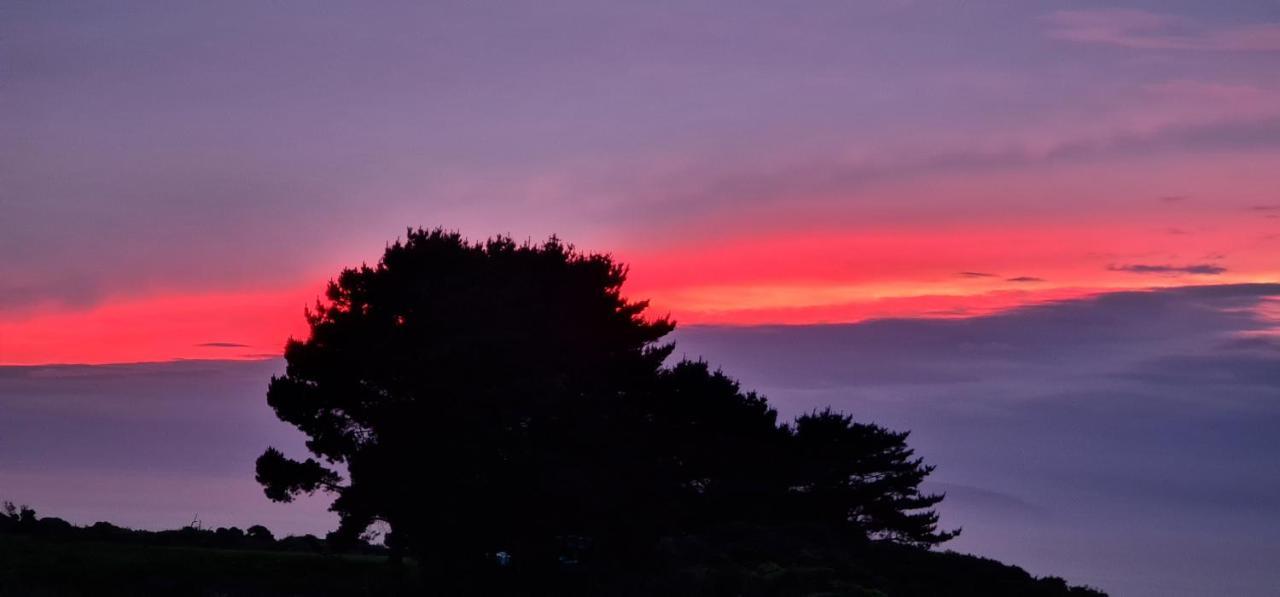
<point>1141,29</point>
<point>1199,269</point>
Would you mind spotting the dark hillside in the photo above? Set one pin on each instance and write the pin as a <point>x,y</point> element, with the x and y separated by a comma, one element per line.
<point>51,567</point>
<point>738,563</point>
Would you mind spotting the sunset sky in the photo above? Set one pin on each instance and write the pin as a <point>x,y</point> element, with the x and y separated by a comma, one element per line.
<point>179,180</point>
<point>1042,235</point>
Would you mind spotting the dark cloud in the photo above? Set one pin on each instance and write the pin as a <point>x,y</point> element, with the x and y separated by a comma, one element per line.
<point>975,275</point>
<point>931,351</point>
<point>1266,344</point>
<point>223,345</point>
<point>146,445</point>
<point>1095,426</point>
<point>1266,208</point>
<point>1229,368</point>
<point>1199,269</point>
<point>1025,279</point>
<point>1172,198</point>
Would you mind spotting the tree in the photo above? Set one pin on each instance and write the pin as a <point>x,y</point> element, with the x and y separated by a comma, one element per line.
<point>864,476</point>
<point>724,447</point>
<point>485,397</point>
<point>469,391</point>
<point>737,464</point>
<point>260,534</point>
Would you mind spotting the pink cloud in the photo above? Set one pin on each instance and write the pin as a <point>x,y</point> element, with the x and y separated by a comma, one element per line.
<point>1155,31</point>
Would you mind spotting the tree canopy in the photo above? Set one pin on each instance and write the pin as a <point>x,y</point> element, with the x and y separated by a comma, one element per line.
<point>485,397</point>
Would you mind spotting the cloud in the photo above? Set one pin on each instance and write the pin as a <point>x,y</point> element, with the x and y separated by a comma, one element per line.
<point>1141,29</point>
<point>1096,426</point>
<point>1199,269</point>
<point>223,345</point>
<point>708,185</point>
<point>147,444</point>
<point>1172,198</point>
<point>73,292</point>
<point>984,274</point>
<point>929,351</point>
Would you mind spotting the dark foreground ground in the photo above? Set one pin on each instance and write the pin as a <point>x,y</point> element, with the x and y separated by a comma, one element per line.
<point>40,567</point>
<point>49,567</point>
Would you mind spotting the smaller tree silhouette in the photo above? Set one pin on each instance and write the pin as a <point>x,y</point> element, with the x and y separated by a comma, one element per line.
<point>864,475</point>
<point>260,534</point>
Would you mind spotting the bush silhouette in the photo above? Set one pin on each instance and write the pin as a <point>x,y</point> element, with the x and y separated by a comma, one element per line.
<point>486,397</point>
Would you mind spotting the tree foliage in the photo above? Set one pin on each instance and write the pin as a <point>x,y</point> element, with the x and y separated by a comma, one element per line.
<point>492,396</point>
<point>864,474</point>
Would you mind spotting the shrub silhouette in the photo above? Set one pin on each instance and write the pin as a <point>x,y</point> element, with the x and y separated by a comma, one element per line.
<point>24,521</point>
<point>485,397</point>
<point>260,534</point>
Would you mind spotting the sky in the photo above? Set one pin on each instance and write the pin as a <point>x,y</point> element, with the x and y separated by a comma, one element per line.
<point>1044,236</point>
<point>180,179</point>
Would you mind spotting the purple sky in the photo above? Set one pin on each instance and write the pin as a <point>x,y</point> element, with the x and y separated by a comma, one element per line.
<point>974,192</point>
<point>159,158</point>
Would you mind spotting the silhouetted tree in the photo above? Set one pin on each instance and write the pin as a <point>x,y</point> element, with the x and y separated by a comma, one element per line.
<point>735,463</point>
<point>865,476</point>
<point>495,396</point>
<point>469,390</point>
<point>21,518</point>
<point>260,534</point>
<point>723,447</point>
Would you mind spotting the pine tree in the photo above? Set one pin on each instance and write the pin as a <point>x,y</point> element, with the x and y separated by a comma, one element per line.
<point>864,476</point>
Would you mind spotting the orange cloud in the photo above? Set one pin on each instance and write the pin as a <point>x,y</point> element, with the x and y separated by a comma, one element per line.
<point>159,328</point>
<point>832,275</point>
<point>932,271</point>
